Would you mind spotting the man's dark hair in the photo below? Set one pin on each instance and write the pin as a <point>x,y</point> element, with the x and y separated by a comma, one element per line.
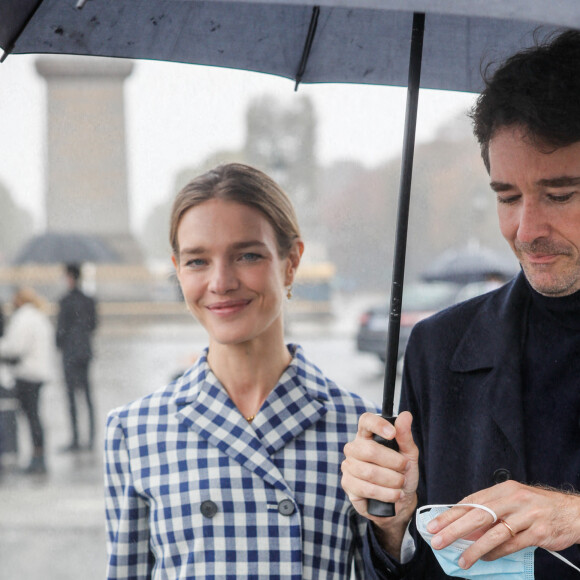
<point>537,89</point>
<point>74,271</point>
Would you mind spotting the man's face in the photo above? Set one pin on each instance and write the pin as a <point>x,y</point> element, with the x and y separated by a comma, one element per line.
<point>538,204</point>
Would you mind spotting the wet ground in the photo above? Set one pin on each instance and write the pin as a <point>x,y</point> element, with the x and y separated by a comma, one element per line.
<point>52,527</point>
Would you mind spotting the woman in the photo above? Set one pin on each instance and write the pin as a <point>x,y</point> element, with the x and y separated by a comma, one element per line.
<point>28,346</point>
<point>232,471</point>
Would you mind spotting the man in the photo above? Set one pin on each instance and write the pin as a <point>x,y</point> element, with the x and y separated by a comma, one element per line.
<point>490,396</point>
<point>77,320</point>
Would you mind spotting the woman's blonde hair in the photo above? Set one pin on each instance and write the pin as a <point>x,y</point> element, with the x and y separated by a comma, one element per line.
<point>26,295</point>
<point>242,184</point>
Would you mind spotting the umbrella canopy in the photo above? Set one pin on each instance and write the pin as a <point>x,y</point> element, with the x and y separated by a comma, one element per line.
<point>352,41</point>
<point>348,41</point>
<point>469,264</point>
<point>53,248</point>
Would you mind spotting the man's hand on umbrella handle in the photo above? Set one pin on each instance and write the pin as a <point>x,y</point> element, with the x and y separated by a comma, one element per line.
<point>371,470</point>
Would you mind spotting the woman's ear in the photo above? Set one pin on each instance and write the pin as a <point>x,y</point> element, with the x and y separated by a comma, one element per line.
<point>293,260</point>
<point>176,266</point>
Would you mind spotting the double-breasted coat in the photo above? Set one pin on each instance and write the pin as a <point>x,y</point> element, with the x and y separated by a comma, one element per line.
<point>463,384</point>
<point>195,491</point>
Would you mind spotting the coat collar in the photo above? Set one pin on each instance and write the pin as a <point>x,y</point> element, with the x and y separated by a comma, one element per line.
<point>297,402</point>
<point>482,346</point>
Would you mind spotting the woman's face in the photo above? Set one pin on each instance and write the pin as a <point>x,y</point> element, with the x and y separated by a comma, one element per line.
<point>230,272</point>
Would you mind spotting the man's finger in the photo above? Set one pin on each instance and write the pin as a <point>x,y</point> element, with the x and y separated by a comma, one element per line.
<point>370,424</point>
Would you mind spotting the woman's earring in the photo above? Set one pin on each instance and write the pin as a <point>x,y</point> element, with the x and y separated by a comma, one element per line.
<point>289,293</point>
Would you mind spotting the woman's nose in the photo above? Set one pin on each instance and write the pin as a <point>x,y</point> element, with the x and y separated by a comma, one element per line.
<point>223,278</point>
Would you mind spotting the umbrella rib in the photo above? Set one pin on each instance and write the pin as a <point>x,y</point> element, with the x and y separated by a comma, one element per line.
<point>10,45</point>
<point>307,45</point>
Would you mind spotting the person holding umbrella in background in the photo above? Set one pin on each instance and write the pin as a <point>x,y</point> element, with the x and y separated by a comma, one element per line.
<point>76,323</point>
<point>490,401</point>
<point>233,469</point>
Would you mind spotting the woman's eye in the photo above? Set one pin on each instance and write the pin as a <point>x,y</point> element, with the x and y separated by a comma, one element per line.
<point>195,263</point>
<point>251,257</point>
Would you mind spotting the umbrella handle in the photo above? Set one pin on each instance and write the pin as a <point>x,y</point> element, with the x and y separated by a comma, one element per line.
<point>382,509</point>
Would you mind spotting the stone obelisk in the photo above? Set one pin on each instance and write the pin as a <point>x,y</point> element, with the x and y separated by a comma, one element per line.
<point>86,158</point>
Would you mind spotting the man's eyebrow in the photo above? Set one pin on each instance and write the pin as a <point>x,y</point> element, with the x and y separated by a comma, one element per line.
<point>562,181</point>
<point>500,186</point>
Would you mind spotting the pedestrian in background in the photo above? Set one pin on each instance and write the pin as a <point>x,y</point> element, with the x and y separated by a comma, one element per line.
<point>77,321</point>
<point>233,469</point>
<point>28,347</point>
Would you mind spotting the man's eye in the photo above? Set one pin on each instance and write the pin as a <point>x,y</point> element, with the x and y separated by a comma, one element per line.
<point>562,198</point>
<point>508,200</point>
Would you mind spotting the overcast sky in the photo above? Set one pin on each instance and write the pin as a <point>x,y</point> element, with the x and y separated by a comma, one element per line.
<point>178,114</point>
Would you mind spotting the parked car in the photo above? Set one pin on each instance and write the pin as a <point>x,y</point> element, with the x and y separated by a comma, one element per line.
<point>420,300</point>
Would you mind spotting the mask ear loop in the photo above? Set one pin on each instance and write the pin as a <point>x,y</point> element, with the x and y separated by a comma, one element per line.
<point>560,557</point>
<point>473,505</point>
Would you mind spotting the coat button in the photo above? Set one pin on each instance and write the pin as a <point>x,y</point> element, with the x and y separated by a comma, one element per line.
<point>208,508</point>
<point>286,507</point>
<point>502,474</point>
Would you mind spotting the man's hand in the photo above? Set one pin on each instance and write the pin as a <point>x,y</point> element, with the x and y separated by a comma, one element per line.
<point>533,516</point>
<point>371,470</point>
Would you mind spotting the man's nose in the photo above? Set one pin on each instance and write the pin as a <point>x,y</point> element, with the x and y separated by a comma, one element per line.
<point>533,222</point>
<point>223,278</point>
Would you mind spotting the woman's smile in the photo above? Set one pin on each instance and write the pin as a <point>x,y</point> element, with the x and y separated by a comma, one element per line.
<point>228,307</point>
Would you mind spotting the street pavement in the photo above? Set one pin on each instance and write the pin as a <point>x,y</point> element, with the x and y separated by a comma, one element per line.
<point>52,526</point>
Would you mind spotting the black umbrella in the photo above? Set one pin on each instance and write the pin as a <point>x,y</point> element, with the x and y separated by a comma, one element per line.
<point>55,248</point>
<point>347,41</point>
<point>472,263</point>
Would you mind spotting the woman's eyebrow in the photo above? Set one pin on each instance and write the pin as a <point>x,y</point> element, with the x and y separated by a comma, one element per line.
<point>194,250</point>
<point>248,244</point>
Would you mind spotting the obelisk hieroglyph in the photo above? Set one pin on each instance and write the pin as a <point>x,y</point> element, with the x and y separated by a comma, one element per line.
<point>86,157</point>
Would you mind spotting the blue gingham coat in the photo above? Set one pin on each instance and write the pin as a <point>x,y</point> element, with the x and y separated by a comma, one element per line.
<point>195,491</point>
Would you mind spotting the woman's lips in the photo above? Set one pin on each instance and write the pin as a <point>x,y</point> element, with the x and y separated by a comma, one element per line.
<point>229,307</point>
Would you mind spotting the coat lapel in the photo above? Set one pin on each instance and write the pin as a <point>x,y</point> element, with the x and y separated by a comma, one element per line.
<point>205,407</point>
<point>293,406</point>
<point>483,347</point>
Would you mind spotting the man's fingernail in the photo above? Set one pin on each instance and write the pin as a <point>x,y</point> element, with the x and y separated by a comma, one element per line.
<point>461,563</point>
<point>436,542</point>
<point>389,431</point>
<point>432,527</point>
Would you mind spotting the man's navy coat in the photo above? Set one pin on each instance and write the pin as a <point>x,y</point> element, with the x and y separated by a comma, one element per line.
<point>462,383</point>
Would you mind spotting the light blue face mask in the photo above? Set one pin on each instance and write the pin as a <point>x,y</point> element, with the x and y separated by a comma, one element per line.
<point>516,566</point>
